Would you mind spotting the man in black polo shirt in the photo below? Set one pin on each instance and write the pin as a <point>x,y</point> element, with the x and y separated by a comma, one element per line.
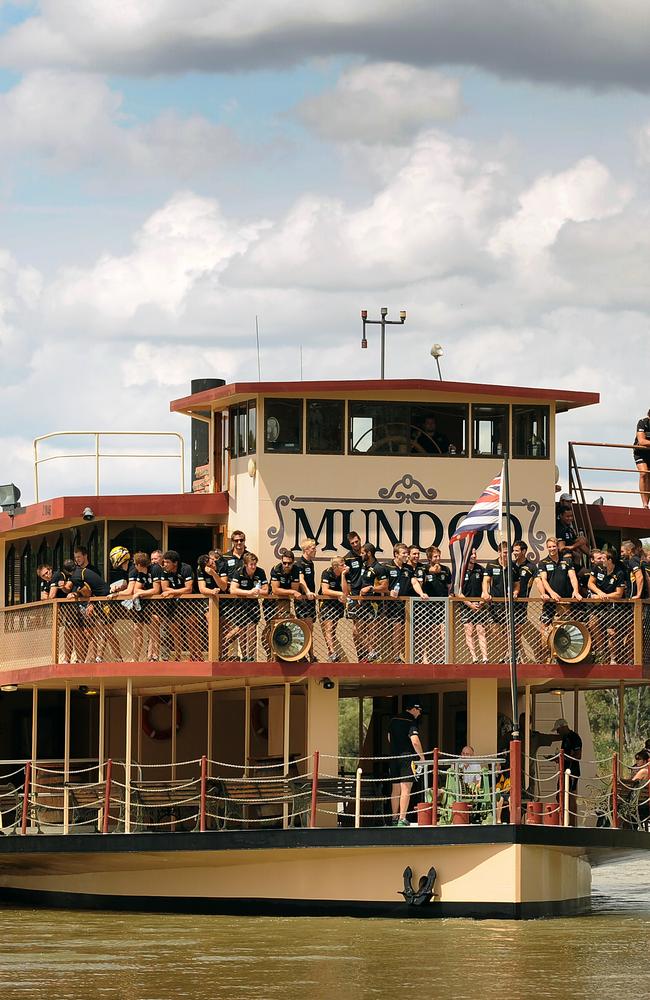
<point>642,457</point>
<point>374,583</point>
<point>401,582</point>
<point>495,586</point>
<point>306,606</point>
<point>429,618</point>
<point>636,582</point>
<point>178,582</point>
<point>93,618</point>
<point>572,746</point>
<point>526,572</point>
<point>352,571</point>
<point>228,565</point>
<point>569,542</point>
<point>405,748</point>
<point>81,559</point>
<point>558,581</point>
<point>607,583</point>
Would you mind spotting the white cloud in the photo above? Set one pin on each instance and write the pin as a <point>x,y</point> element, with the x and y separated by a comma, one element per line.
<point>183,243</point>
<point>584,192</point>
<point>381,102</point>
<point>591,42</point>
<point>75,121</point>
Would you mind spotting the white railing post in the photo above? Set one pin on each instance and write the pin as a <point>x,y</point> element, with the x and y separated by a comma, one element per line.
<point>357,800</point>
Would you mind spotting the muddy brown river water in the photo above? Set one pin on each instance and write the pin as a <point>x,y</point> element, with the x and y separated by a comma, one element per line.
<point>71,954</point>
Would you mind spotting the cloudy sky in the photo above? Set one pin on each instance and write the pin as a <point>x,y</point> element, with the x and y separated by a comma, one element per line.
<point>169,170</point>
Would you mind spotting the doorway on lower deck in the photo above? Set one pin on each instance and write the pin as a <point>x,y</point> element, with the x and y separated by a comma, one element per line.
<point>190,543</point>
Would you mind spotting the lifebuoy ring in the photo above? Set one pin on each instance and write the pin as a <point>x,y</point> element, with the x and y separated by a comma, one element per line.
<point>147,728</point>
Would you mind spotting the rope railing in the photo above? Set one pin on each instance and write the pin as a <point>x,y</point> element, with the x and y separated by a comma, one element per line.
<point>217,795</point>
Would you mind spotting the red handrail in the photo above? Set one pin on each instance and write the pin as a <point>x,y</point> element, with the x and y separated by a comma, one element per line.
<point>515,781</point>
<point>436,778</point>
<point>615,791</point>
<point>28,778</point>
<point>204,782</point>
<point>107,795</point>
<point>314,790</point>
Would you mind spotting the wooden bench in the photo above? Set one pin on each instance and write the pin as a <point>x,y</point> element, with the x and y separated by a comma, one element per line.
<point>161,806</point>
<point>260,801</point>
<point>86,803</point>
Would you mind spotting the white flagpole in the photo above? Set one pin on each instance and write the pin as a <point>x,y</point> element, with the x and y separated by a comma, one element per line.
<point>514,694</point>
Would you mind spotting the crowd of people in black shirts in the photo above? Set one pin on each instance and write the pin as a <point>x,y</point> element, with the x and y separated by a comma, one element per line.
<point>355,584</point>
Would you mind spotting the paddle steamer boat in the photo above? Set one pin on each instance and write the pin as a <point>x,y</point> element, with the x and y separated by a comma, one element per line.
<point>249,775</point>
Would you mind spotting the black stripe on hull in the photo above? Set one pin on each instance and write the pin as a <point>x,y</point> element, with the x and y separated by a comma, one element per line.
<point>294,907</point>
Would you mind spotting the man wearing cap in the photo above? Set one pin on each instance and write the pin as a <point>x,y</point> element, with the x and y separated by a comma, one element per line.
<point>405,747</point>
<point>572,746</point>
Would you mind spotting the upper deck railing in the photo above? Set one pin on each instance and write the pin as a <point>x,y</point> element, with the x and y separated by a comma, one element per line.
<point>586,489</point>
<point>97,454</point>
<point>390,630</point>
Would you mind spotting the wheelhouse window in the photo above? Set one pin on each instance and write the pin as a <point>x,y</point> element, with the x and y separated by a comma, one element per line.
<point>252,427</point>
<point>408,429</point>
<point>325,422</point>
<point>489,430</point>
<point>242,429</point>
<point>530,431</point>
<point>283,425</point>
<point>242,424</point>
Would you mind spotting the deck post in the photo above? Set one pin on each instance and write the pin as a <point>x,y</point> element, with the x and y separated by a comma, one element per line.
<point>285,749</point>
<point>638,632</point>
<point>55,630</point>
<point>26,788</point>
<point>139,724</point>
<point>450,643</point>
<point>34,747</point>
<point>434,786</point>
<point>615,790</point>
<point>213,631</point>
<point>408,631</point>
<point>174,749</point>
<point>528,770</point>
<point>100,744</point>
<point>357,799</point>
<point>204,782</point>
<point>127,755</point>
<point>247,727</point>
<point>314,790</point>
<point>107,796</point>
<point>515,781</point>
<point>66,762</point>
<point>208,749</point>
<point>562,779</point>
<point>621,719</point>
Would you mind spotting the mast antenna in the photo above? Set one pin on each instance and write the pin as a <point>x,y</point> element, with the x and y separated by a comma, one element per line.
<point>257,338</point>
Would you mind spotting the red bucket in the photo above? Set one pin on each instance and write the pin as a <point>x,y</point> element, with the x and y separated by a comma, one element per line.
<point>461,812</point>
<point>535,813</point>
<point>424,812</point>
<point>551,814</point>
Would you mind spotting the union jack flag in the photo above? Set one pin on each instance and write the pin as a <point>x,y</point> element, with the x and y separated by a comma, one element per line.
<point>485,515</point>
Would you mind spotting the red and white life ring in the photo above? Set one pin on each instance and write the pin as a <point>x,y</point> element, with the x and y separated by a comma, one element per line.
<point>147,728</point>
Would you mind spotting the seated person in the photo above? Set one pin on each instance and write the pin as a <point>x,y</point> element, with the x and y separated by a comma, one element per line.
<point>428,439</point>
<point>469,770</point>
<point>502,791</point>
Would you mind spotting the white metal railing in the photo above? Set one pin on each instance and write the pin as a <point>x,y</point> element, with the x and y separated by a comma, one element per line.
<point>97,454</point>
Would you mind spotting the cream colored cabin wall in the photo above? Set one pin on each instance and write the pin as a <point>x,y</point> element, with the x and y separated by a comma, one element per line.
<point>243,495</point>
<point>482,715</point>
<point>315,483</point>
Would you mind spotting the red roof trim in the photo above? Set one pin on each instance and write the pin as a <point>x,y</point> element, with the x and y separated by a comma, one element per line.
<point>137,507</point>
<point>225,392</point>
<point>399,673</point>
